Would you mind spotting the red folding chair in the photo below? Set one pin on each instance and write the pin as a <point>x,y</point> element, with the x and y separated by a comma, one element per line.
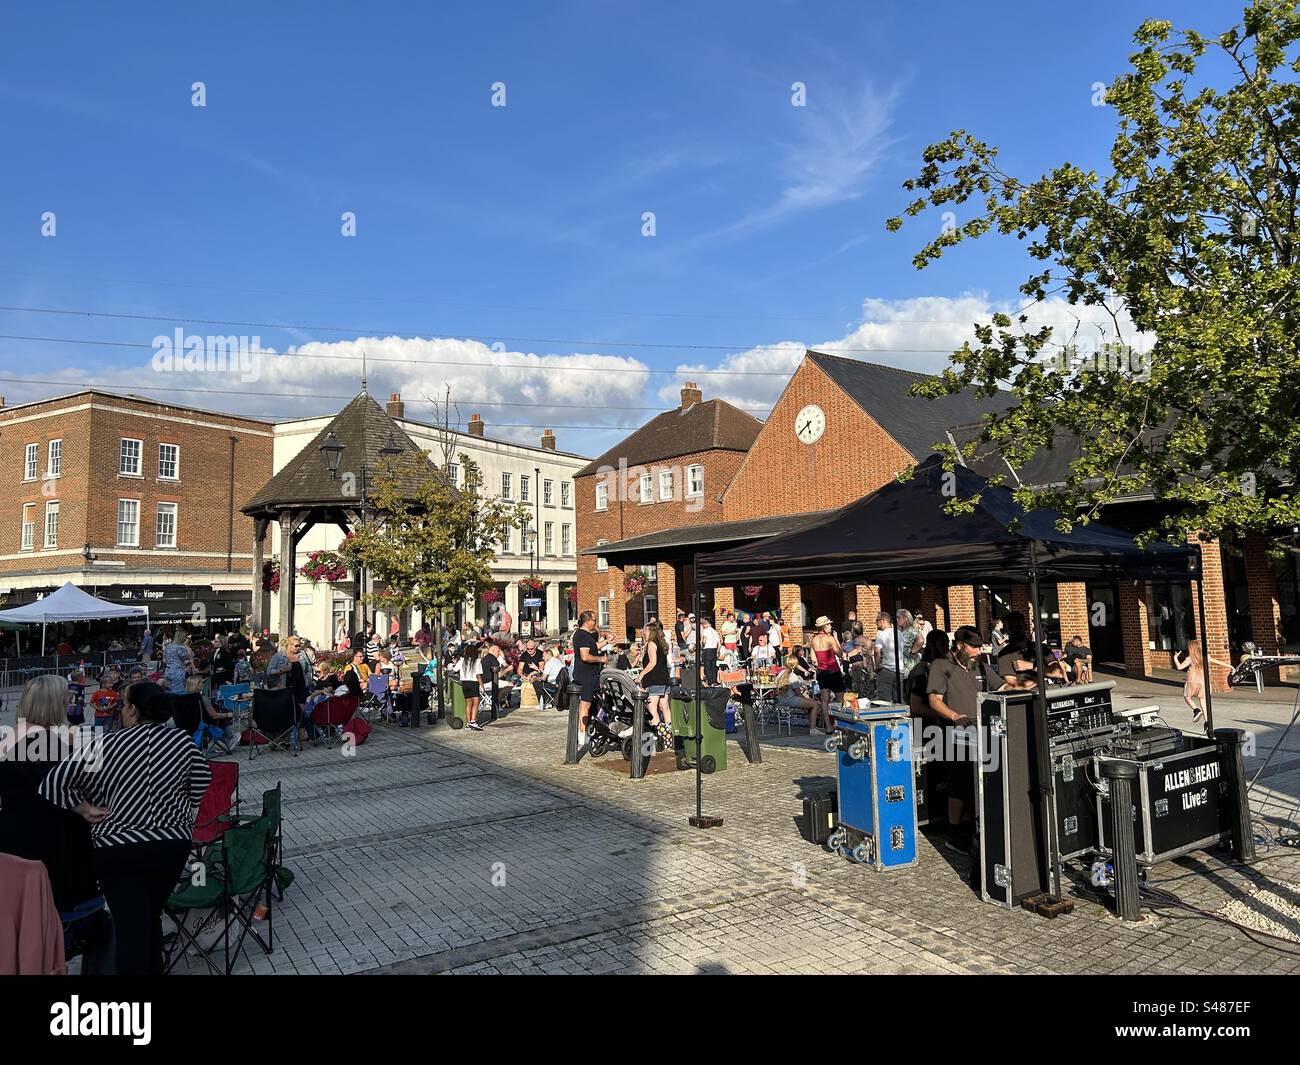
<point>330,715</point>
<point>218,809</point>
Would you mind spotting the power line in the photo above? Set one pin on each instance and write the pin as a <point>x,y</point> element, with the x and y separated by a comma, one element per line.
<point>375,331</point>
<point>425,302</point>
<point>279,394</point>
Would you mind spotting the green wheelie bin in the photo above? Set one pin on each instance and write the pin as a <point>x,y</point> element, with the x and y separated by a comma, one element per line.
<point>713,728</point>
<point>454,696</point>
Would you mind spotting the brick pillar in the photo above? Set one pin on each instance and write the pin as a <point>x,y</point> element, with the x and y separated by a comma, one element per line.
<point>724,598</point>
<point>961,606</point>
<point>867,598</point>
<point>789,598</point>
<point>1073,600</point>
<point>1216,614</point>
<point>1135,626</point>
<point>617,602</point>
<point>1020,599</point>
<point>1265,610</point>
<point>666,574</point>
<point>934,607</point>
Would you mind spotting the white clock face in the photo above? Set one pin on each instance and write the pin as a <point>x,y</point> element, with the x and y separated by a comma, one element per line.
<point>809,424</point>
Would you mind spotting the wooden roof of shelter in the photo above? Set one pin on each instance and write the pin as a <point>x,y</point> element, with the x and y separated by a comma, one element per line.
<point>363,427</point>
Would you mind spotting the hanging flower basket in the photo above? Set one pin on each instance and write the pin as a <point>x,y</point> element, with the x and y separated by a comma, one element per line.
<point>572,594</point>
<point>325,566</point>
<point>492,596</point>
<point>752,591</point>
<point>634,584</point>
<point>271,574</point>
<point>531,585</point>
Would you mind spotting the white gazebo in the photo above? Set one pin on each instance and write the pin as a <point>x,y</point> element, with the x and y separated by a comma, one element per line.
<point>69,603</point>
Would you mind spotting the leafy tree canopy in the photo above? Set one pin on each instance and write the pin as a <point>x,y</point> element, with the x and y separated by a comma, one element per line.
<point>1188,243</point>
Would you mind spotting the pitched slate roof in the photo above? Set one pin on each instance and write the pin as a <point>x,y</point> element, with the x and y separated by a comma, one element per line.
<point>362,427</point>
<point>711,425</point>
<point>916,423</point>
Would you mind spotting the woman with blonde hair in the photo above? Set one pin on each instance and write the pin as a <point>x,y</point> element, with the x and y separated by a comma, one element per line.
<point>178,661</point>
<point>30,827</point>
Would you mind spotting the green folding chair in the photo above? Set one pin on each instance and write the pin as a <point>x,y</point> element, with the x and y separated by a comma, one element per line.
<point>272,805</point>
<point>239,871</point>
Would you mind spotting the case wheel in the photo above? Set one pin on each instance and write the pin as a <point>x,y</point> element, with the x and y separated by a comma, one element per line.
<point>832,743</point>
<point>858,750</point>
<point>835,840</point>
<point>860,853</point>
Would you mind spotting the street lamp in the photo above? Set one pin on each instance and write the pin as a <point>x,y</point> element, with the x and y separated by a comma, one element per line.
<point>88,555</point>
<point>332,451</point>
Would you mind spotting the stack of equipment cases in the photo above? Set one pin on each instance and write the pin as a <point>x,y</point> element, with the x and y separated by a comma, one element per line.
<point>877,803</point>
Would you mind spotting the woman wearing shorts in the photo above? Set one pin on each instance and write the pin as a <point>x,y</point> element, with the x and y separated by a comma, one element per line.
<point>826,647</point>
<point>655,680</point>
<point>469,671</point>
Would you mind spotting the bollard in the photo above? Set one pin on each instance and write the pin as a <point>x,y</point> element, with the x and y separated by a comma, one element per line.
<point>637,767</point>
<point>1230,741</point>
<point>1121,773</point>
<point>571,733</point>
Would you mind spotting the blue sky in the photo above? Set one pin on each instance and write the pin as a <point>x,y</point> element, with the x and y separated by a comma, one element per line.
<point>497,247</point>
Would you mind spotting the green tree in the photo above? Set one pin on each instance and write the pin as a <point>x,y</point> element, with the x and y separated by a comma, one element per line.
<point>1188,247</point>
<point>430,546</point>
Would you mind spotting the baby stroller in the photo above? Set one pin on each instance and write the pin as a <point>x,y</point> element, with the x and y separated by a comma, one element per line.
<point>610,722</point>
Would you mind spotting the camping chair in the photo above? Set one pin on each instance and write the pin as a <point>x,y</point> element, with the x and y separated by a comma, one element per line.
<point>230,890</point>
<point>187,714</point>
<point>226,695</point>
<point>275,716</point>
<point>272,807</point>
<point>379,696</point>
<point>330,715</point>
<point>218,809</point>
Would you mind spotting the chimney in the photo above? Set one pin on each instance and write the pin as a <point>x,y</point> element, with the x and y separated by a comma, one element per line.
<point>691,395</point>
<point>548,438</point>
<point>396,408</point>
<point>475,425</point>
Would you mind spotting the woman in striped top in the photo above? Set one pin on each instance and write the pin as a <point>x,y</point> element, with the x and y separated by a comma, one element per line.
<point>140,794</point>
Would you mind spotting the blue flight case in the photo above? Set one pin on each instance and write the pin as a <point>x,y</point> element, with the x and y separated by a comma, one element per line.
<point>877,797</point>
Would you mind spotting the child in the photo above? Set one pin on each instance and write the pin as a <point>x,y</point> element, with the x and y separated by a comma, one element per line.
<point>106,702</point>
<point>243,671</point>
<point>77,698</point>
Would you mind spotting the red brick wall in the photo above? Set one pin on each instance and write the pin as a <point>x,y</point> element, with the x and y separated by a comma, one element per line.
<point>1133,622</point>
<point>1216,611</point>
<point>961,607</point>
<point>1073,601</point>
<point>625,516</point>
<point>1265,610</point>
<point>783,476</point>
<point>90,486</point>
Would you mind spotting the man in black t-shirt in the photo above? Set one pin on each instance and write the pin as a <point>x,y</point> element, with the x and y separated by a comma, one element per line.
<point>530,662</point>
<point>587,662</point>
<point>1079,656</point>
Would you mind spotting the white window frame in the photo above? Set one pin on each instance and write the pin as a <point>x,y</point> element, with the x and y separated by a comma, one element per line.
<point>566,539</point>
<point>175,476</point>
<point>525,487</point>
<point>548,539</point>
<point>564,493</point>
<point>453,473</point>
<point>602,565</point>
<point>31,460</point>
<point>139,457</point>
<point>694,491</point>
<point>602,496</point>
<point>51,511</point>
<point>120,541</point>
<point>646,489</point>
<point>602,612</point>
<point>506,485</point>
<point>665,485</point>
<point>28,534</point>
<point>54,458</point>
<point>548,492</point>
<point>161,509</point>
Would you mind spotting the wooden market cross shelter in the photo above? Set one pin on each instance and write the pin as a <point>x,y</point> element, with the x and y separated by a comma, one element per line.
<point>329,482</point>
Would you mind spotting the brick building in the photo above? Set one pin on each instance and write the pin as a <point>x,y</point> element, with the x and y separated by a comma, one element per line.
<point>842,428</point>
<point>132,499</point>
<point>668,475</point>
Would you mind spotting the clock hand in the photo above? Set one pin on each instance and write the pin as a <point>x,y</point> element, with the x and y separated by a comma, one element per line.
<point>804,426</point>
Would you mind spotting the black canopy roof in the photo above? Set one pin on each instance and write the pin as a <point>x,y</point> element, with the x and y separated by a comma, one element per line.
<point>902,534</point>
